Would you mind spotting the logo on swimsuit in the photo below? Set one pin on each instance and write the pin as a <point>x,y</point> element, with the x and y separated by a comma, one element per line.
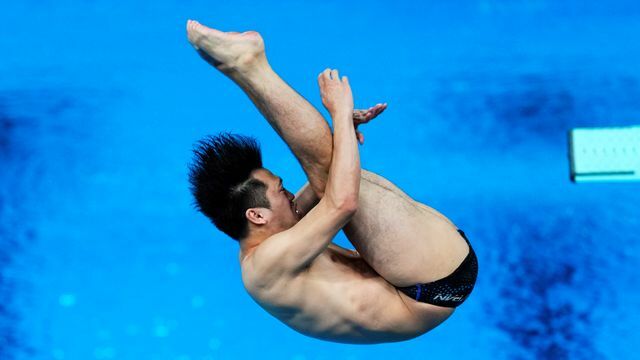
<point>448,297</point>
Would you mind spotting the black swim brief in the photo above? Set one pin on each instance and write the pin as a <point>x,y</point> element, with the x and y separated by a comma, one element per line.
<point>452,290</point>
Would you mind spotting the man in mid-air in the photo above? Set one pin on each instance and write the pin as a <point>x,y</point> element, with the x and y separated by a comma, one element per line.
<point>412,266</point>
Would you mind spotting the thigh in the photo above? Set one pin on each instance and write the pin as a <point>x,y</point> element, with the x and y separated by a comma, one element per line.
<point>404,241</point>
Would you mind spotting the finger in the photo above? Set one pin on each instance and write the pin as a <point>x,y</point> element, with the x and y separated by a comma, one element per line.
<point>360,137</point>
<point>345,80</point>
<point>334,74</point>
<point>380,109</point>
<point>373,113</point>
<point>373,108</point>
<point>326,74</point>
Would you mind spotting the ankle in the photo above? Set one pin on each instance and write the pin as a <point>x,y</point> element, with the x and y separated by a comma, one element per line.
<point>250,68</point>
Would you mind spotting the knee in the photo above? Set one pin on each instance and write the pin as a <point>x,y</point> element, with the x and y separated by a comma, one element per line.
<point>365,174</point>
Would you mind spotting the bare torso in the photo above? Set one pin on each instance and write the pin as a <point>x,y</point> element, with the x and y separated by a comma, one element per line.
<point>341,298</point>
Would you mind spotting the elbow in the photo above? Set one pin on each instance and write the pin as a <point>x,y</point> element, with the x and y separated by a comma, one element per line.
<point>344,201</point>
<point>348,205</point>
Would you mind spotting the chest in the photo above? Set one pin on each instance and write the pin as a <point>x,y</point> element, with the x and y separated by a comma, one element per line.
<point>332,277</point>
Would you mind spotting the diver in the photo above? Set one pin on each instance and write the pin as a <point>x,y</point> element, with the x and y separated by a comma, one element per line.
<point>412,266</point>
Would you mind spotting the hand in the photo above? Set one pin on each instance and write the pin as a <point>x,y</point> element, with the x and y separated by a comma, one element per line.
<point>336,93</point>
<point>364,116</point>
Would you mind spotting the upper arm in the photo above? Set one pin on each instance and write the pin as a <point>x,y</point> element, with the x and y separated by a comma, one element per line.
<point>293,250</point>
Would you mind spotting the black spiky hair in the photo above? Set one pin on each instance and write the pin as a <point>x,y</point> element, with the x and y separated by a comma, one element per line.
<point>221,182</point>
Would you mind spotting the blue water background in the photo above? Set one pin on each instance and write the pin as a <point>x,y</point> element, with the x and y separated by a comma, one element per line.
<point>103,257</point>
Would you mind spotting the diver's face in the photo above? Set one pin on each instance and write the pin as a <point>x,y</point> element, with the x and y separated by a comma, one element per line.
<point>281,200</point>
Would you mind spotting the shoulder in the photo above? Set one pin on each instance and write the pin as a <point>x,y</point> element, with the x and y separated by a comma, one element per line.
<point>277,257</point>
<point>265,267</point>
<point>274,290</point>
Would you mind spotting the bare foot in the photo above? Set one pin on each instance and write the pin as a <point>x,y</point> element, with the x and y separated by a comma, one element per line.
<point>226,51</point>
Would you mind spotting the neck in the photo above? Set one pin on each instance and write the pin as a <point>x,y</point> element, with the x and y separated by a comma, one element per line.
<point>258,234</point>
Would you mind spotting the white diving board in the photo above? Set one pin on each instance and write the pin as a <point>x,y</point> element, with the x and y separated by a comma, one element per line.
<point>610,154</point>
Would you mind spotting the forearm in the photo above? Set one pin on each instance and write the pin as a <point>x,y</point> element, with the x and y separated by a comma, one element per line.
<point>338,205</point>
<point>343,183</point>
<point>340,201</point>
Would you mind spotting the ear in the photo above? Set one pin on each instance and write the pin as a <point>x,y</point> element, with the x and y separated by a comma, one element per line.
<point>258,216</point>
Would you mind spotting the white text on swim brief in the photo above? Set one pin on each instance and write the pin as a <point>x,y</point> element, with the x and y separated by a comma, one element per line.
<point>448,297</point>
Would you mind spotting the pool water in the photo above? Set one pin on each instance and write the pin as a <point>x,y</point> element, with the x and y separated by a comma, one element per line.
<point>102,255</point>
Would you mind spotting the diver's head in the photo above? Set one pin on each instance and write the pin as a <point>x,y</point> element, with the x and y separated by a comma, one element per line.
<point>233,190</point>
<point>282,214</point>
<point>221,181</point>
